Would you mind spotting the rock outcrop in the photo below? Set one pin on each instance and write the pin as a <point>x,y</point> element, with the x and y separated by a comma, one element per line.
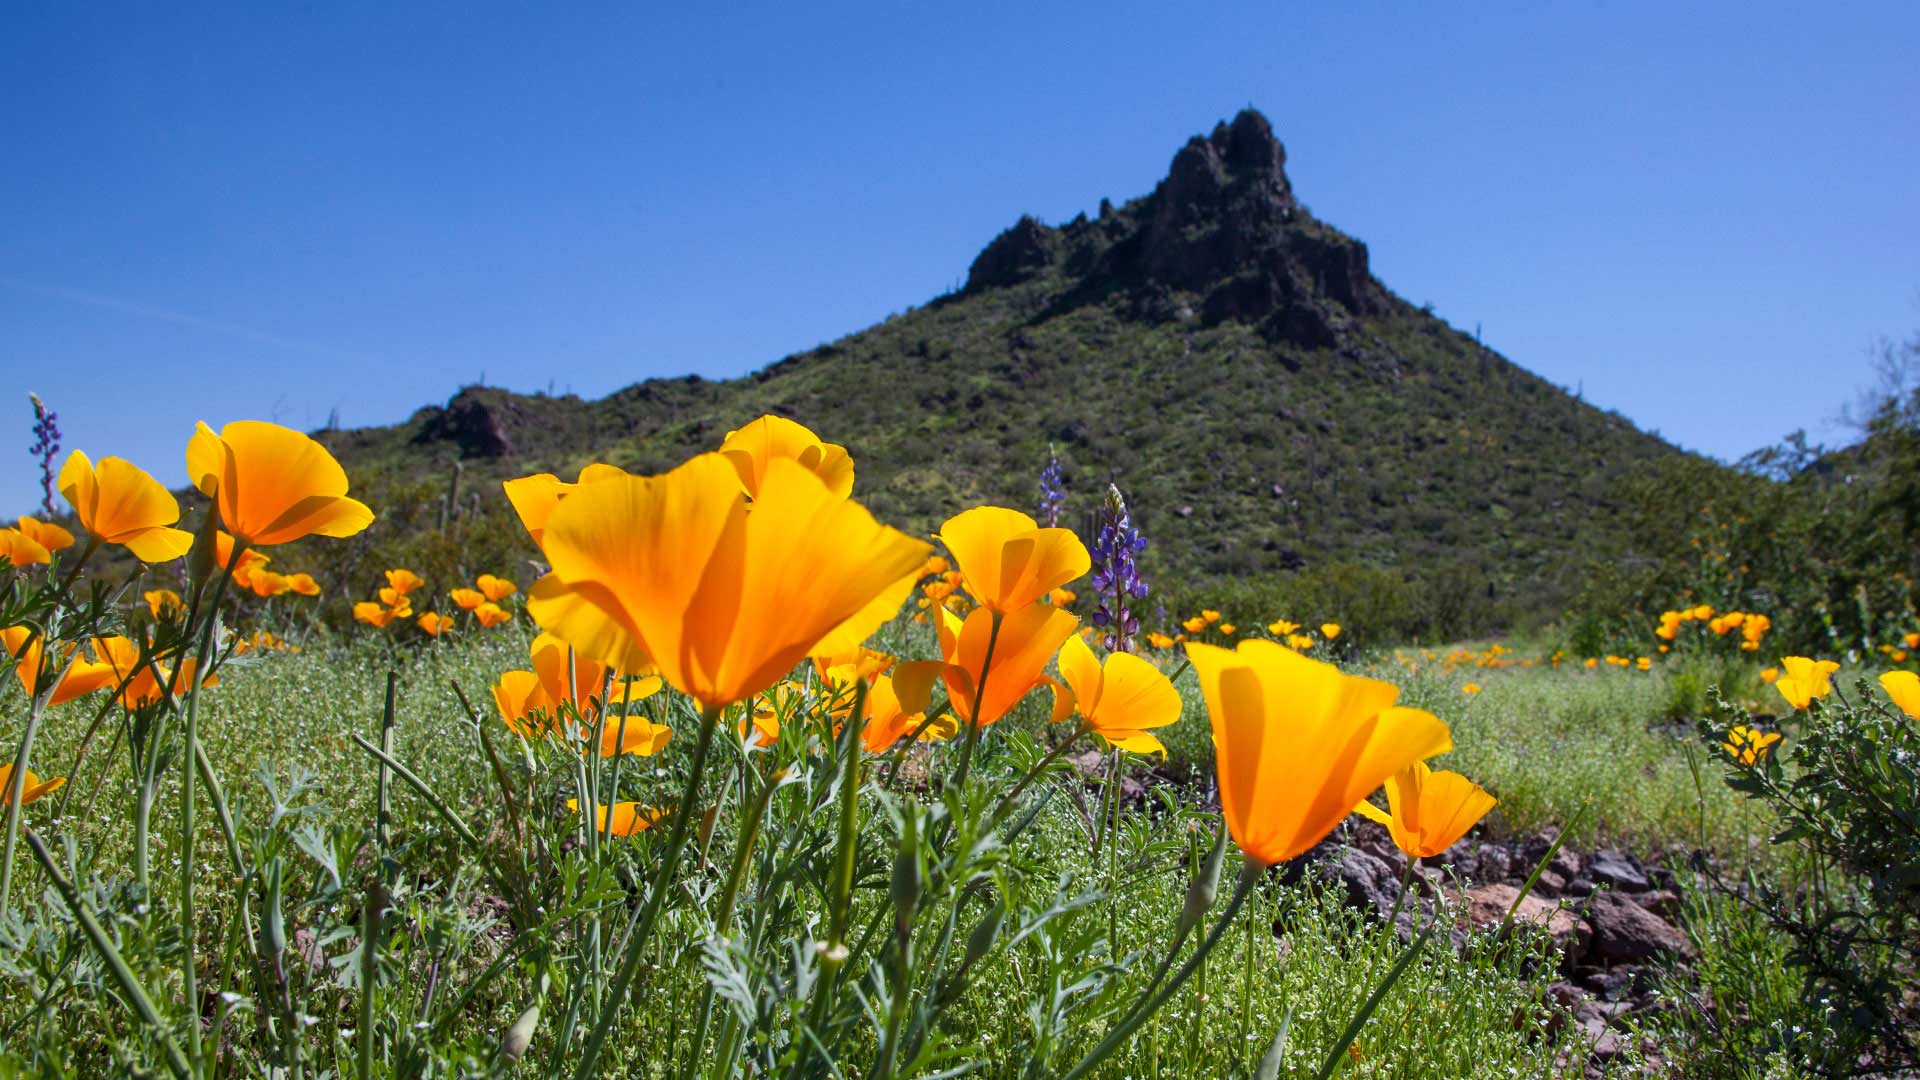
<point>1221,237</point>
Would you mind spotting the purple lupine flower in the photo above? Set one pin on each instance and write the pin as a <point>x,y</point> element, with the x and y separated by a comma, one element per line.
<point>1053,492</point>
<point>46,443</point>
<point>1116,574</point>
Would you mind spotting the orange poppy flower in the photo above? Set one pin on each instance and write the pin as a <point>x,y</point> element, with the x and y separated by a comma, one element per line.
<point>1428,811</point>
<point>373,613</point>
<point>272,484</point>
<point>1008,560</point>
<point>31,788</point>
<point>83,676</point>
<point>491,615</point>
<point>404,581</point>
<point>468,599</point>
<point>750,448</point>
<point>897,702</point>
<point>640,736</point>
<point>535,497</point>
<point>559,675</point>
<point>495,588</point>
<point>165,604</point>
<point>1805,680</point>
<point>1298,743</point>
<point>19,549</point>
<point>1749,745</point>
<point>46,534</point>
<point>1028,639</point>
<point>857,662</point>
<point>303,584</point>
<point>724,600</point>
<point>434,623</point>
<point>139,683</point>
<point>1119,700</point>
<point>120,504</point>
<point>623,818</point>
<point>1904,688</point>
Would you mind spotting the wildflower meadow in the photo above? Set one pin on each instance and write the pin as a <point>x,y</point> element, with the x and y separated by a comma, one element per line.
<point>734,779</point>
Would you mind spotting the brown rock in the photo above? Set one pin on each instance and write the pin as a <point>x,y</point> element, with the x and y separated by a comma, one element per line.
<point>1487,905</point>
<point>1626,933</point>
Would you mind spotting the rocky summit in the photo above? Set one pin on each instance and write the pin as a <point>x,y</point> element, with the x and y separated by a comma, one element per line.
<point>1267,405</point>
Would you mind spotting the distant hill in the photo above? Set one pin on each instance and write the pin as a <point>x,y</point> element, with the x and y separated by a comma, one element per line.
<point>1228,360</point>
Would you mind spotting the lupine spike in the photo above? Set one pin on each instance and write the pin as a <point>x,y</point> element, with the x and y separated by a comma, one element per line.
<point>1116,574</point>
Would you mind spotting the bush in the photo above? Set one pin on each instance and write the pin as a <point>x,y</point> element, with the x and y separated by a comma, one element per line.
<point>1846,791</point>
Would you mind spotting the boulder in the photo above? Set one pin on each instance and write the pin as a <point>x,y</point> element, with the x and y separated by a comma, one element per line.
<point>1487,905</point>
<point>1626,933</point>
<point>1618,870</point>
<point>1492,864</point>
<point>1369,882</point>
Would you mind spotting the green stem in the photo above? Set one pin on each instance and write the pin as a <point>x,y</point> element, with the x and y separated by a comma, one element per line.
<point>389,761</point>
<point>979,699</point>
<point>135,994</point>
<point>383,809</point>
<point>189,976</point>
<point>635,944</point>
<point>1406,881</point>
<point>1006,801</point>
<point>1359,1020</point>
<point>743,854</point>
<point>17,782</point>
<point>369,968</point>
<point>1112,829</point>
<point>900,745</point>
<point>1250,874</point>
<point>849,821</point>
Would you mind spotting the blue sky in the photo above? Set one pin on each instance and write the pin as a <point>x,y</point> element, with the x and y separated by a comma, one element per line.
<point>1701,216</point>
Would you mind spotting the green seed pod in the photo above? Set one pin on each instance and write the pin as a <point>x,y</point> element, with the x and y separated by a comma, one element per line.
<point>273,927</point>
<point>986,933</point>
<point>202,557</point>
<point>1206,885</point>
<point>907,880</point>
<point>513,1045</point>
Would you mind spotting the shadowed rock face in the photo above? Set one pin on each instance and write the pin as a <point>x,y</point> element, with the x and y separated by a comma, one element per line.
<point>1223,226</point>
<point>476,421</point>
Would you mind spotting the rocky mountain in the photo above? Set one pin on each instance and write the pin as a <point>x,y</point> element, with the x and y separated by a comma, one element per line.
<point>1267,405</point>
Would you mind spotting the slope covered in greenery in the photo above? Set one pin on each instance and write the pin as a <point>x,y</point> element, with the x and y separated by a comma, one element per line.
<point>1271,411</point>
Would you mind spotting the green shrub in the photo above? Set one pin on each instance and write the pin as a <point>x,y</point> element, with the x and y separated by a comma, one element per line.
<point>1846,790</point>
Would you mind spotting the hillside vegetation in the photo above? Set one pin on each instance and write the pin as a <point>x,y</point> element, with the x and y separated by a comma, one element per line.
<point>1229,361</point>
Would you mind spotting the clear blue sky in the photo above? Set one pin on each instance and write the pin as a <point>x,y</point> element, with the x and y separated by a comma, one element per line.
<point>1701,218</point>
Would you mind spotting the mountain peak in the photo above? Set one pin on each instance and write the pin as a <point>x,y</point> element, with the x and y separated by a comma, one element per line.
<point>1221,235</point>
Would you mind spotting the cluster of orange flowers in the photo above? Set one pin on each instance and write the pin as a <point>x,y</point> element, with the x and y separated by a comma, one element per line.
<point>1753,626</point>
<point>395,602</point>
<point>268,485</point>
<point>720,576</point>
<point>33,542</point>
<point>1211,623</point>
<point>1900,653</point>
<point>1802,680</point>
<point>262,641</point>
<point>940,586</point>
<point>483,600</point>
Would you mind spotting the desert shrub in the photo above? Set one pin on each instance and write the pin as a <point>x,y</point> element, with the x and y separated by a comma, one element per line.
<point>1846,790</point>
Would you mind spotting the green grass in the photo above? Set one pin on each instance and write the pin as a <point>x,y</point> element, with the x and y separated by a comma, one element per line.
<point>1544,741</point>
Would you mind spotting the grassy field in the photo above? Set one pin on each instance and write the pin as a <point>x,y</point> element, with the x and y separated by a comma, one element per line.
<point>460,967</point>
